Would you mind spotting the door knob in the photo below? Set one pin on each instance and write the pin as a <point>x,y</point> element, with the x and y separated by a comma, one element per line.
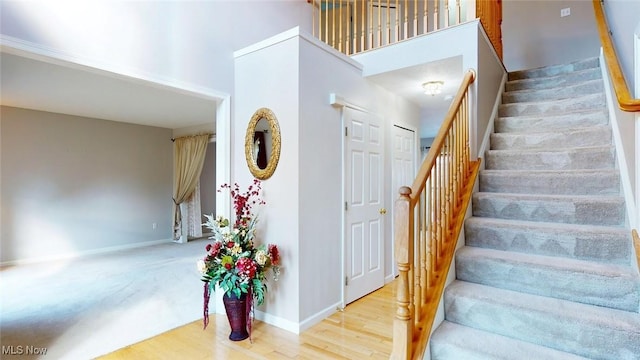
<point>382,211</point>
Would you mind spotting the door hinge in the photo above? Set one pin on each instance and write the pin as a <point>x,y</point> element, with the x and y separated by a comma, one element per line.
<point>346,206</point>
<point>346,131</point>
<point>346,280</point>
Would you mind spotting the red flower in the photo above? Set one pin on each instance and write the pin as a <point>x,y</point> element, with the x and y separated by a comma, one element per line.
<point>231,244</point>
<point>274,255</point>
<point>246,267</point>
<point>227,266</point>
<point>242,202</point>
<point>213,250</point>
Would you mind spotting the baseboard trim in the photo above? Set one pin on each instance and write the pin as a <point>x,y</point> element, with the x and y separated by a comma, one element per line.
<point>278,322</point>
<point>74,255</point>
<point>319,316</point>
<point>389,278</point>
<point>293,327</point>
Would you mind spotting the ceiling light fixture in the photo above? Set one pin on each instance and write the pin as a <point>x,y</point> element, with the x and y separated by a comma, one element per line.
<point>433,87</point>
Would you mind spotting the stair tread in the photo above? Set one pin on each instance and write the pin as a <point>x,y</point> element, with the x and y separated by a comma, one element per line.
<point>563,114</point>
<point>548,226</point>
<point>562,100</point>
<point>553,77</point>
<point>554,106</point>
<point>554,70</point>
<point>537,172</point>
<point>555,150</point>
<point>622,320</point>
<point>568,182</point>
<point>569,129</point>
<point>566,91</point>
<point>585,281</point>
<point>473,345</point>
<point>533,91</point>
<point>534,123</point>
<point>605,244</point>
<point>551,197</point>
<point>586,330</point>
<point>560,264</point>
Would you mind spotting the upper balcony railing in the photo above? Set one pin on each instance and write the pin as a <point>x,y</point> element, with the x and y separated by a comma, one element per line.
<point>354,26</point>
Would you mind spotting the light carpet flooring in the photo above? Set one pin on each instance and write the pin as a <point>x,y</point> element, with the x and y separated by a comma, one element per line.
<point>86,307</point>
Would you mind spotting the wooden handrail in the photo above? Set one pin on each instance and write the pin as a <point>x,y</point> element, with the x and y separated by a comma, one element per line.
<point>625,101</point>
<point>428,220</point>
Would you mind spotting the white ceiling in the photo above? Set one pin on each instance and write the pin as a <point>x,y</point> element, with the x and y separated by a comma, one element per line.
<point>407,83</point>
<point>55,86</point>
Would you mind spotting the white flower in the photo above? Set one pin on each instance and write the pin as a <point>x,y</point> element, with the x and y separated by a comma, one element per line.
<point>236,249</point>
<point>202,267</point>
<point>261,257</point>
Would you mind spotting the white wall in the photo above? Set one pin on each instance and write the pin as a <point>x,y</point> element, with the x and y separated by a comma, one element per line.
<point>534,34</point>
<point>177,43</point>
<point>268,77</point>
<point>623,25</point>
<point>294,75</point>
<point>173,41</point>
<point>490,73</point>
<point>74,185</point>
<point>470,44</point>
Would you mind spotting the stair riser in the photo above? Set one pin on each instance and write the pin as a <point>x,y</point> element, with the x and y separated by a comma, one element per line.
<point>597,158</point>
<point>555,70</point>
<point>554,82</point>
<point>605,246</point>
<point>551,123</point>
<point>591,87</point>
<point>619,292</point>
<point>595,136</point>
<point>561,210</point>
<point>589,102</point>
<point>560,183</point>
<point>570,334</point>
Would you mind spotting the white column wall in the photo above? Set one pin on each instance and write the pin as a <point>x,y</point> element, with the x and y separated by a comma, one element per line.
<point>293,74</point>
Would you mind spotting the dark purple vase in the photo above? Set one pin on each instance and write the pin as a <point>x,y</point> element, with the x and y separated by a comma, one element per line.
<point>237,314</point>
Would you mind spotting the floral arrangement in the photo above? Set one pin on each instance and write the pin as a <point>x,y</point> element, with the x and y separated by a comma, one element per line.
<point>234,262</point>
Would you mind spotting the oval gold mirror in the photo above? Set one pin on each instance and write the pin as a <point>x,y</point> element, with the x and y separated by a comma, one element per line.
<point>262,144</point>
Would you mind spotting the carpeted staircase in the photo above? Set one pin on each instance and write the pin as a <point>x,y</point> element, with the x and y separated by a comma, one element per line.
<point>548,268</point>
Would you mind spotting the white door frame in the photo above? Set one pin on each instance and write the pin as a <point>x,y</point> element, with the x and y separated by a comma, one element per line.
<point>339,102</point>
<point>394,192</point>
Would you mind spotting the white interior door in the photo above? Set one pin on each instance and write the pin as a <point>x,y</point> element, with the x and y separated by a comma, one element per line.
<point>364,200</point>
<point>403,167</point>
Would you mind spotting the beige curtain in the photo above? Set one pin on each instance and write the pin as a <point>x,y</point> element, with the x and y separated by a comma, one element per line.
<point>188,153</point>
<point>193,219</point>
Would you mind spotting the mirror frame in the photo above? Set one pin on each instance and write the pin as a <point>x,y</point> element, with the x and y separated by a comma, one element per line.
<point>274,158</point>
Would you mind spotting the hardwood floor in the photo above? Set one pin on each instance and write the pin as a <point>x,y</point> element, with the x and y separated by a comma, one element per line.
<point>362,331</point>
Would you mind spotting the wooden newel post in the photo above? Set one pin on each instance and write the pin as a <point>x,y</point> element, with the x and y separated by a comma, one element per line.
<point>403,239</point>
